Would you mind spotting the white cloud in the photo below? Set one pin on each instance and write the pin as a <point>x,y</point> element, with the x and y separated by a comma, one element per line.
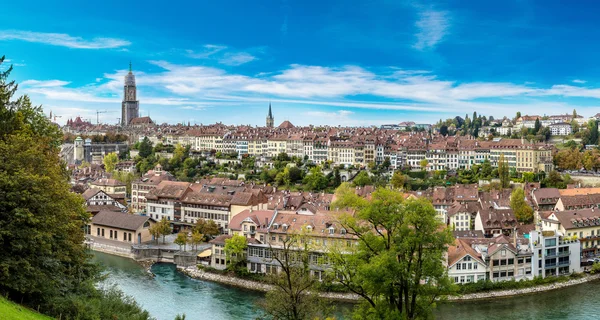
<point>432,27</point>
<point>63,40</point>
<point>236,59</point>
<point>44,83</point>
<point>579,81</point>
<point>223,55</point>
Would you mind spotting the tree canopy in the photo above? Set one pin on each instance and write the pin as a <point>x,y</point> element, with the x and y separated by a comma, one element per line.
<point>43,262</point>
<point>397,267</point>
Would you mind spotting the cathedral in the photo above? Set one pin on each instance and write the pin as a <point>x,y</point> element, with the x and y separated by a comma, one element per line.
<point>130,107</point>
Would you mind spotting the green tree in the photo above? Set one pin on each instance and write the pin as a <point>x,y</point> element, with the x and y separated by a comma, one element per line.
<point>397,268</point>
<point>43,263</point>
<point>423,163</point>
<point>528,176</point>
<point>444,130</point>
<point>337,178</point>
<point>235,248</point>
<point>110,161</point>
<point>537,125</point>
<point>503,172</point>
<point>207,227</point>
<point>316,180</point>
<point>294,295</point>
<point>181,240</point>
<point>196,239</point>
<point>398,180</point>
<point>164,228</point>
<point>362,179</point>
<point>523,212</point>
<point>145,148</point>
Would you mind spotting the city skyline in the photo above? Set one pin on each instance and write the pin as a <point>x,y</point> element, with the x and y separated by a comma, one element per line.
<point>366,64</point>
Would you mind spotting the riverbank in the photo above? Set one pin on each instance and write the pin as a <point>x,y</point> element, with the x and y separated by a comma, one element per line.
<point>523,291</point>
<point>195,273</point>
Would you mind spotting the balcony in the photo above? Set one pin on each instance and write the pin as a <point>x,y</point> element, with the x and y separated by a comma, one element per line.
<point>564,253</point>
<point>551,265</point>
<point>563,263</point>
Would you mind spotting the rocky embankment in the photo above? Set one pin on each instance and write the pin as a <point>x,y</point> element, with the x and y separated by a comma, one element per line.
<point>517,292</point>
<point>194,272</point>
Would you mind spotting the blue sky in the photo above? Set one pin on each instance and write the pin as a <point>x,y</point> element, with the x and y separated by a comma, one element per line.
<point>318,62</point>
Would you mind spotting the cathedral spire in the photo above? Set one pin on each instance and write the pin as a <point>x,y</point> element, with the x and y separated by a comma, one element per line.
<point>129,66</point>
<point>270,120</point>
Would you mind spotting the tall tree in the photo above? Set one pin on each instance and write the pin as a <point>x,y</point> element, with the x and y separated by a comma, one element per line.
<point>316,180</point>
<point>503,172</point>
<point>207,227</point>
<point>145,148</point>
<point>43,262</point>
<point>110,161</point>
<point>294,296</point>
<point>235,248</point>
<point>523,212</point>
<point>537,125</point>
<point>423,164</point>
<point>397,267</point>
<point>444,130</point>
<point>164,228</point>
<point>181,240</point>
<point>196,239</point>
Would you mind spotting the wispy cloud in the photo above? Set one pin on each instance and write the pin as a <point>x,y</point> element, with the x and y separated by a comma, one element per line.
<point>44,83</point>
<point>579,81</point>
<point>63,40</point>
<point>222,54</point>
<point>236,59</point>
<point>432,26</point>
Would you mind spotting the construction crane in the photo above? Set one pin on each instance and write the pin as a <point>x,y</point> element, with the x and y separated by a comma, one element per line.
<point>98,112</point>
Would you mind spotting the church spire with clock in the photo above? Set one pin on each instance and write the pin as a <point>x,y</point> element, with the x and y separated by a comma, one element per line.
<point>130,108</point>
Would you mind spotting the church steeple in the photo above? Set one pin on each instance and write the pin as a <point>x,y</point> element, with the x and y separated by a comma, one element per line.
<point>270,120</point>
<point>129,66</point>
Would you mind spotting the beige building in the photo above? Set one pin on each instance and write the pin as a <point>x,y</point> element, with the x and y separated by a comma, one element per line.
<point>121,227</point>
<point>141,187</point>
<point>110,186</point>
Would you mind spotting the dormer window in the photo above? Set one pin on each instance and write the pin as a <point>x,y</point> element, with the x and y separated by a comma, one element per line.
<point>343,231</point>
<point>331,230</point>
<point>309,228</point>
<point>275,226</point>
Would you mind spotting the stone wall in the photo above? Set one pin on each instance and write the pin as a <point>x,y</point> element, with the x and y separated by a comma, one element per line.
<point>194,272</point>
<point>517,292</point>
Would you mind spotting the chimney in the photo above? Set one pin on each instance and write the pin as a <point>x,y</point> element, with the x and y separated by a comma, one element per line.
<point>515,236</point>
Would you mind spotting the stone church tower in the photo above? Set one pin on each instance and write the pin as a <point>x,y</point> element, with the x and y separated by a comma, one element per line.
<point>130,108</point>
<point>270,120</point>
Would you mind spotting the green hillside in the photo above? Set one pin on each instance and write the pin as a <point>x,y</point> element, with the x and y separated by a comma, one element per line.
<point>12,311</point>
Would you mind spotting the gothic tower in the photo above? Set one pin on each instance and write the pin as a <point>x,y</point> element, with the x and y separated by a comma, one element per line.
<point>270,120</point>
<point>130,108</point>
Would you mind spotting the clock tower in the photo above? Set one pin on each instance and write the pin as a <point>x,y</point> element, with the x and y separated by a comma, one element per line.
<point>130,107</point>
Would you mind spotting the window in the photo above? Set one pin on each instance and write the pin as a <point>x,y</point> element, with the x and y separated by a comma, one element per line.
<point>458,266</point>
<point>116,235</point>
<point>511,261</point>
<point>475,266</point>
<point>503,252</point>
<point>98,231</point>
<point>111,234</point>
<point>102,232</point>
<point>130,237</point>
<point>550,242</point>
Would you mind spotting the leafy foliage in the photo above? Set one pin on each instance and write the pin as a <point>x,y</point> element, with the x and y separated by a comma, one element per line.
<point>208,228</point>
<point>397,267</point>
<point>110,161</point>
<point>523,212</point>
<point>235,248</point>
<point>42,260</point>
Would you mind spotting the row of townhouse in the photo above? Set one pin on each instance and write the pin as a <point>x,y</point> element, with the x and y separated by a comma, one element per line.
<point>474,258</point>
<point>216,199</point>
<point>267,230</point>
<point>361,146</point>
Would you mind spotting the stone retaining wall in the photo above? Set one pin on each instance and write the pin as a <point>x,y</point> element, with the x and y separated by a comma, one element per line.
<point>105,248</point>
<point>516,292</point>
<point>194,272</point>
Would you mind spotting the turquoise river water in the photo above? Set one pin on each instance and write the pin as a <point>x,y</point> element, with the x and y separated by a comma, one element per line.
<point>171,292</point>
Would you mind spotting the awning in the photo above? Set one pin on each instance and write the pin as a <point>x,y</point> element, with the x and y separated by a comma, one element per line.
<point>205,253</point>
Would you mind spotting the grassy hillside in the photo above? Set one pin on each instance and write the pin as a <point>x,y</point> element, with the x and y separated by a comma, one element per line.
<point>13,311</point>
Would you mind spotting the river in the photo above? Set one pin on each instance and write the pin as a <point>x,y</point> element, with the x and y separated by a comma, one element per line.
<point>171,292</point>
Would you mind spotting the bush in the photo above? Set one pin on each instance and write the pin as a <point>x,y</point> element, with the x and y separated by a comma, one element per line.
<point>595,268</point>
<point>417,174</point>
<point>486,286</point>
